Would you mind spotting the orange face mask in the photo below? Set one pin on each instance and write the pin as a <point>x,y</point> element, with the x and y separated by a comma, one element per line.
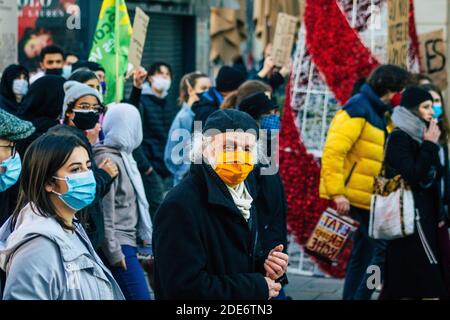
<point>234,167</point>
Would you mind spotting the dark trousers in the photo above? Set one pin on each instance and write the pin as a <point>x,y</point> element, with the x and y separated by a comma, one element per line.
<point>155,187</point>
<point>131,281</point>
<point>365,252</point>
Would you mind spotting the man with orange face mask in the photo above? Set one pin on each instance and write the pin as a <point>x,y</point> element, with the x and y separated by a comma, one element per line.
<point>205,233</point>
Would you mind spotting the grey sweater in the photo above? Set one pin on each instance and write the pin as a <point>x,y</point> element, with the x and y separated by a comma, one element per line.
<point>120,209</point>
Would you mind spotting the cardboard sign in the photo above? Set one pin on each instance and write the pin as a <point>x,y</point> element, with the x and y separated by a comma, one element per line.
<point>137,43</point>
<point>398,32</point>
<point>8,33</point>
<point>433,51</point>
<point>283,41</point>
<point>330,235</point>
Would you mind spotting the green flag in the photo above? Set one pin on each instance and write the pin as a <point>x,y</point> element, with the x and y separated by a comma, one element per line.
<point>113,31</point>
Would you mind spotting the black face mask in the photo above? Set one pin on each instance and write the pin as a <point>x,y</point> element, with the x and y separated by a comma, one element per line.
<point>86,120</point>
<point>55,72</point>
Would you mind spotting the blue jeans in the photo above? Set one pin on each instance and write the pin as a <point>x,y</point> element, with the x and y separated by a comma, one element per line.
<point>131,281</point>
<point>365,252</point>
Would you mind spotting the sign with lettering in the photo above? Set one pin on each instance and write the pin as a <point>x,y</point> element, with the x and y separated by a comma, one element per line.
<point>433,57</point>
<point>137,43</point>
<point>330,235</point>
<point>283,41</point>
<point>398,32</point>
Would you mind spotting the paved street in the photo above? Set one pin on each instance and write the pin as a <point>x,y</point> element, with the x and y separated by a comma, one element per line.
<point>315,288</point>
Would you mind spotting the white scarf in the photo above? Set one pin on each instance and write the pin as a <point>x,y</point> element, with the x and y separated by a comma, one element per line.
<point>242,199</point>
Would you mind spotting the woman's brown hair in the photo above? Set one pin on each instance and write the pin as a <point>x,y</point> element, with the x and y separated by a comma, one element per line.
<point>249,87</point>
<point>43,158</point>
<point>189,79</point>
<point>443,124</point>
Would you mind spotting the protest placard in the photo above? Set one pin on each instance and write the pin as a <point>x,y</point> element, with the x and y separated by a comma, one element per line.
<point>330,236</point>
<point>398,32</point>
<point>283,42</point>
<point>140,26</point>
<point>433,56</point>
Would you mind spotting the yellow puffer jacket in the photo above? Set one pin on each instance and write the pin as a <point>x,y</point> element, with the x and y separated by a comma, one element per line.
<point>354,149</point>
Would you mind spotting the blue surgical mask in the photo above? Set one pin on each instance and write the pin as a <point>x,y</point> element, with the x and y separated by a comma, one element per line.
<point>13,167</point>
<point>67,70</point>
<point>437,108</point>
<point>20,87</point>
<point>81,190</point>
<point>270,122</point>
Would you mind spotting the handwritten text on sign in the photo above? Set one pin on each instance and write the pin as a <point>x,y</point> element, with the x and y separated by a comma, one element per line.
<point>398,32</point>
<point>433,57</point>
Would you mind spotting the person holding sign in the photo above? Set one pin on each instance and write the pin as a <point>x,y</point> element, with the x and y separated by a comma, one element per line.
<point>271,74</point>
<point>157,116</point>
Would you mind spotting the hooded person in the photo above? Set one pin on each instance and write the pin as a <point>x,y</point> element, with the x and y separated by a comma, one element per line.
<point>42,106</point>
<point>12,129</point>
<point>212,210</point>
<point>417,265</point>
<point>13,87</point>
<point>125,207</point>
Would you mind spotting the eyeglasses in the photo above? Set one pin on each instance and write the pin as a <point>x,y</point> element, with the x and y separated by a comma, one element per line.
<point>91,107</point>
<point>12,146</point>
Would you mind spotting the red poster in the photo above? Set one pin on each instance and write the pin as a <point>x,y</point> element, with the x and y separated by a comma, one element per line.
<point>46,22</point>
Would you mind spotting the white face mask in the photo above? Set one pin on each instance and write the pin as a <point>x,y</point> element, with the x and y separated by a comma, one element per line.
<point>161,84</point>
<point>20,87</point>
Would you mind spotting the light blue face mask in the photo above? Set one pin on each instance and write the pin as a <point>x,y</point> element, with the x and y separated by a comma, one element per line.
<point>67,71</point>
<point>437,108</point>
<point>81,190</point>
<point>270,122</point>
<point>13,167</point>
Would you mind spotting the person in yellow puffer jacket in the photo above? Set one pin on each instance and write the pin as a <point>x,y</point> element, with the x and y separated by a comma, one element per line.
<point>352,157</point>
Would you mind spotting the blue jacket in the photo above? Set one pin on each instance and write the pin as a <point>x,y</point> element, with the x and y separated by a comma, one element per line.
<point>43,262</point>
<point>179,136</point>
<point>209,102</point>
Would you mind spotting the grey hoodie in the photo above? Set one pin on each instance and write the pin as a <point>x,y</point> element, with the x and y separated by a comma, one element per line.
<point>43,261</point>
<point>125,207</point>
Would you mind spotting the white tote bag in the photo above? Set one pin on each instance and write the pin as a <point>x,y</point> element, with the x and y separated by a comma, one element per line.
<point>392,210</point>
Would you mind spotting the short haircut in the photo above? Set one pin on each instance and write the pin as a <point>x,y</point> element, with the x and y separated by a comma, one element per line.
<point>51,50</point>
<point>389,77</point>
<point>156,67</point>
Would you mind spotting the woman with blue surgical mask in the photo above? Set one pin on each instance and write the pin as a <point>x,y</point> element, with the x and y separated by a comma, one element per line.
<point>13,87</point>
<point>12,129</point>
<point>439,111</point>
<point>44,249</point>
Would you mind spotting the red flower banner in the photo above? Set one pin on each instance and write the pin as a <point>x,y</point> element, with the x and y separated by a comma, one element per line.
<point>336,47</point>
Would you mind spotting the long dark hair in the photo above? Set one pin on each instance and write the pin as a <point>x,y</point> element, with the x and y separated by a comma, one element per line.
<point>43,158</point>
<point>443,124</point>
